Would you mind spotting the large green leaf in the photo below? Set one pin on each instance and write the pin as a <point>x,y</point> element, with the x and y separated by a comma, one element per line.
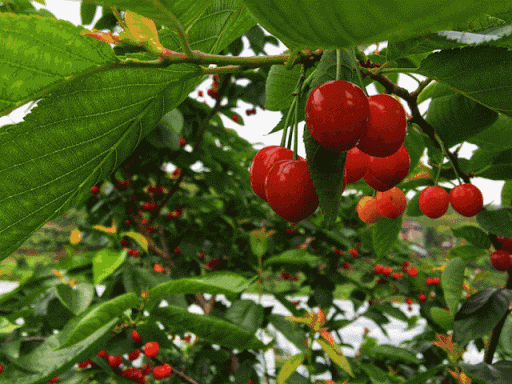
<point>48,361</point>
<point>336,356</point>
<point>480,73</point>
<point>213,283</point>
<point>75,137</point>
<point>295,257</point>
<point>39,54</point>
<point>281,83</point>
<point>393,353</point>
<point>106,262</point>
<point>474,235</point>
<point>246,314</point>
<point>451,282</point>
<point>289,367</point>
<point>334,24</point>
<point>76,299</point>
<point>291,330</point>
<point>480,313</point>
<point>455,117</point>
<point>466,252</point>
<point>497,373</point>
<point>384,235</point>
<point>98,316</point>
<point>496,221</point>
<point>497,137</point>
<point>209,328</point>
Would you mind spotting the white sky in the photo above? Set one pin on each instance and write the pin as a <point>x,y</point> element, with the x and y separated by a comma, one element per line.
<point>256,126</point>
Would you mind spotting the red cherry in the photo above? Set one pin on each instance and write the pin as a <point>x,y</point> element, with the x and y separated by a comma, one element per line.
<point>367,210</point>
<point>405,266</point>
<point>183,142</point>
<point>386,271</point>
<point>397,275</point>
<point>290,191</point>
<point>337,114</point>
<point>54,380</point>
<point>392,203</point>
<point>378,268</point>
<point>261,164</point>
<point>102,354</point>
<point>162,371</point>
<point>134,355</point>
<point>158,268</point>
<point>501,260</point>
<point>374,183</point>
<point>412,272</point>
<point>356,165</point>
<point>353,252</point>
<point>134,253</point>
<point>115,361</point>
<point>421,297</point>
<point>466,199</point>
<point>345,265</point>
<point>506,243</point>
<point>434,202</point>
<point>387,127</point>
<point>408,301</point>
<point>84,364</point>
<point>235,118</point>
<point>136,336</point>
<point>151,349</point>
<point>95,190</point>
<point>200,93</point>
<point>390,170</point>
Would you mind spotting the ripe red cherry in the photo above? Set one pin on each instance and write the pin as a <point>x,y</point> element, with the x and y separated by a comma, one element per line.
<point>95,189</point>
<point>412,272</point>
<point>421,297</point>
<point>353,252</point>
<point>115,361</point>
<point>434,202</point>
<point>378,268</point>
<point>387,127</point>
<point>506,243</point>
<point>391,203</point>
<point>386,172</point>
<point>162,371</point>
<point>151,349</point>
<point>501,260</point>
<point>386,271</point>
<point>136,336</point>
<point>134,355</point>
<point>337,114</point>
<point>356,165</point>
<point>466,199</point>
<point>261,164</point>
<point>290,191</point>
<point>408,300</point>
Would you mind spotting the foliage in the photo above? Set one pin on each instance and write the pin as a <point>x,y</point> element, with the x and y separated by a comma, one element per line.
<point>178,224</point>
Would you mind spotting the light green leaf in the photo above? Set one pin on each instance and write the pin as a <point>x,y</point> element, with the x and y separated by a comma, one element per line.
<point>336,356</point>
<point>466,252</point>
<point>289,367</point>
<point>76,299</point>
<point>279,87</point>
<point>138,237</point>
<point>6,328</point>
<point>106,262</point>
<point>98,316</point>
<point>209,328</point>
<point>294,256</point>
<point>451,282</point>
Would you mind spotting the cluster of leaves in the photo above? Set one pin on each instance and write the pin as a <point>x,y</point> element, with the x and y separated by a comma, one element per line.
<point>115,118</point>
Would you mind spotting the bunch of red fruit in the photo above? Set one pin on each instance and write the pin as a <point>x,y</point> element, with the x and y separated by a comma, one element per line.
<point>465,199</point>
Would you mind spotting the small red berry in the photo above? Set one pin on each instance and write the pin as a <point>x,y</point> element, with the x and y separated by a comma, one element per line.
<point>397,275</point>
<point>202,255</point>
<point>146,369</point>
<point>136,336</point>
<point>353,252</point>
<point>391,203</point>
<point>123,242</point>
<point>183,142</point>
<point>466,199</point>
<point>134,253</point>
<point>405,266</point>
<point>152,229</point>
<point>501,260</point>
<point>54,380</point>
<point>434,202</point>
<point>387,271</point>
<point>177,172</point>
<point>148,206</point>
<point>1,368</point>
<point>200,93</point>
<point>378,268</point>
<point>412,272</point>
<point>506,243</point>
<point>102,354</point>
<point>85,363</point>
<point>95,190</point>
<point>158,268</point>
<point>177,251</point>
<point>151,349</point>
<point>162,371</point>
<point>134,355</point>
<point>285,275</point>
<point>235,118</point>
<point>346,265</point>
<point>408,301</point>
<point>356,165</point>
<point>421,297</point>
<point>115,361</point>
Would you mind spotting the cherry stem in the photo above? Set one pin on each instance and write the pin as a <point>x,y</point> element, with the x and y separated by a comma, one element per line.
<point>353,56</point>
<point>287,122</point>
<point>338,64</point>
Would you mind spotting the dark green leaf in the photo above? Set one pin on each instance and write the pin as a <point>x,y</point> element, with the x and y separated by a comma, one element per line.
<point>246,314</point>
<point>497,373</point>
<point>294,256</point>
<point>209,328</point>
<point>326,69</point>
<point>496,221</point>
<point>393,353</point>
<point>280,85</point>
<point>506,194</point>
<point>415,144</point>
<point>76,299</point>
<point>384,235</point>
<point>413,208</point>
<point>497,137</point>
<point>291,330</point>
<point>474,235</point>
<point>451,282</point>
<point>466,252</point>
<point>87,12</point>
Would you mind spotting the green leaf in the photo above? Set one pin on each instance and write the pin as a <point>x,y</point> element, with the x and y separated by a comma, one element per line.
<point>452,279</point>
<point>246,314</point>
<point>423,377</point>
<point>326,69</point>
<point>393,353</point>
<point>474,235</point>
<point>80,260</point>
<point>289,367</point>
<point>106,262</point>
<point>167,133</point>
<point>505,342</point>
<point>295,257</point>
<point>6,328</point>
<point>291,330</point>
<point>75,299</point>
<point>326,169</point>
<point>281,83</point>
<point>496,221</point>
<point>480,313</point>
<point>497,373</point>
<point>38,54</point>
<point>48,360</point>
<point>76,137</point>
<point>442,317</point>
<point>214,283</point>
<point>336,356</point>
<point>497,137</point>
<point>466,252</point>
<point>413,207</point>
<point>138,238</point>
<point>209,328</point>
<point>384,235</point>
<point>415,144</point>
<point>98,316</point>
<point>335,24</point>
<point>506,194</point>
<point>87,12</point>
<point>455,117</point>
<point>258,241</point>
<point>485,78</point>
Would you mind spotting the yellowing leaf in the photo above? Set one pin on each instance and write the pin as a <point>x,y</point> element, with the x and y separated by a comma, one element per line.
<point>140,29</point>
<point>111,230</point>
<point>441,268</point>
<point>314,320</point>
<point>140,239</point>
<point>336,356</point>
<point>75,236</point>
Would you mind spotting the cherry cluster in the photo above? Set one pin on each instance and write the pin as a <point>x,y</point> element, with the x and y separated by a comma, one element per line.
<point>390,204</point>
<point>465,199</point>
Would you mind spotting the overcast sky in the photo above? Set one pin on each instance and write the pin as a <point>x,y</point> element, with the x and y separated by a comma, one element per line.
<point>256,126</point>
